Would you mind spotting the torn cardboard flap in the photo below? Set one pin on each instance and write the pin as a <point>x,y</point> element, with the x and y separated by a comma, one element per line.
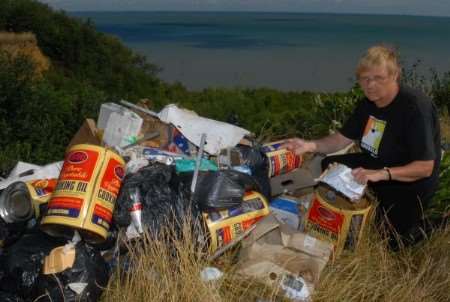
<point>87,134</point>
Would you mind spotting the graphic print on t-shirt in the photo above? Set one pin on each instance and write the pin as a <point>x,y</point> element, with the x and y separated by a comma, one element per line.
<point>373,133</point>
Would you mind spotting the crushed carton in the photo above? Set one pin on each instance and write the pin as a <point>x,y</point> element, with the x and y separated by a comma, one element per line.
<point>278,255</point>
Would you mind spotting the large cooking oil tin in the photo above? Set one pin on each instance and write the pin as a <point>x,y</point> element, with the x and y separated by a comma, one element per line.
<point>86,193</point>
<point>334,218</point>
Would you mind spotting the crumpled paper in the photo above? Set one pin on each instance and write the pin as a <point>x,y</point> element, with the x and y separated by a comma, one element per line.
<point>340,177</point>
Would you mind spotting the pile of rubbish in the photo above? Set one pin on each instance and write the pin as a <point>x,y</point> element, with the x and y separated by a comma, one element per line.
<point>139,172</point>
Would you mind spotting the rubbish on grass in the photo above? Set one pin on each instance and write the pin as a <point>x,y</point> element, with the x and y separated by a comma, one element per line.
<point>226,225</point>
<point>8,297</point>
<point>292,181</point>
<point>286,210</point>
<point>87,134</point>
<point>295,288</point>
<point>281,160</point>
<point>139,140</point>
<point>220,135</point>
<point>334,218</point>
<point>339,177</point>
<point>59,259</point>
<point>21,201</point>
<point>292,210</point>
<point>210,273</point>
<point>121,125</point>
<point>86,193</point>
<point>280,256</point>
<point>135,165</point>
<point>223,189</point>
<point>136,209</point>
<point>166,200</point>
<point>257,161</point>
<point>188,165</point>
<point>83,281</point>
<point>21,263</point>
<point>26,172</point>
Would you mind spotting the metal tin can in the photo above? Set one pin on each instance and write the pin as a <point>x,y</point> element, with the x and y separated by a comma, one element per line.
<point>20,201</point>
<point>86,193</point>
<point>281,161</point>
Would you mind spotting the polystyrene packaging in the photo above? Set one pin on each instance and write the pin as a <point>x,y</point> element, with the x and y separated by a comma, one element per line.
<point>121,125</point>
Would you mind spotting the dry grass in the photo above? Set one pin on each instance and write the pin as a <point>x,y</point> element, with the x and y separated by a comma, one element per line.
<point>24,44</point>
<point>169,270</point>
<point>373,273</point>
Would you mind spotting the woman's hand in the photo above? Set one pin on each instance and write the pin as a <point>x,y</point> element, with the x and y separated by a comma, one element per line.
<point>363,176</point>
<point>299,146</point>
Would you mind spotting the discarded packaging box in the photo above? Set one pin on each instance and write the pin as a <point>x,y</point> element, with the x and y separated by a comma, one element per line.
<point>292,210</point>
<point>121,125</point>
<point>226,225</point>
<point>153,124</point>
<point>286,210</point>
<point>87,134</point>
<point>291,182</point>
<point>334,218</point>
<point>278,256</point>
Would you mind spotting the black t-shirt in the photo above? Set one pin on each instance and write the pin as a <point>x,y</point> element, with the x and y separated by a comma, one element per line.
<point>404,131</point>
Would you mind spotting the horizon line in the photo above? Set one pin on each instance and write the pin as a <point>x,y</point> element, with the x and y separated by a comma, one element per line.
<point>256,12</point>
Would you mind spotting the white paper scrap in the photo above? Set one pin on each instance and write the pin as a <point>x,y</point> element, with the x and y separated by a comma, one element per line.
<point>340,177</point>
<point>219,135</point>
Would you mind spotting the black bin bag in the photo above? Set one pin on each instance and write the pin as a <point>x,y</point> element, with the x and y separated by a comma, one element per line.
<point>166,201</point>
<point>83,282</point>
<point>21,263</point>
<point>257,161</point>
<point>8,297</point>
<point>222,189</point>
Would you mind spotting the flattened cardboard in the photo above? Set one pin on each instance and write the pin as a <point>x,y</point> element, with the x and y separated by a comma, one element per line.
<point>290,182</point>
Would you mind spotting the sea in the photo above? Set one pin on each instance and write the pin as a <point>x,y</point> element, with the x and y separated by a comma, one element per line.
<point>285,51</point>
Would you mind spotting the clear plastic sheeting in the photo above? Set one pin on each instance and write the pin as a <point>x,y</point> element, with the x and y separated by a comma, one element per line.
<point>340,178</point>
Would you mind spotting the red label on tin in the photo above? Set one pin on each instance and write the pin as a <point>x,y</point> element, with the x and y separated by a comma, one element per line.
<point>324,217</point>
<point>77,157</point>
<point>111,180</point>
<point>79,165</point>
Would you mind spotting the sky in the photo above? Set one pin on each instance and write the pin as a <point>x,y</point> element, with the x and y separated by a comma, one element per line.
<point>402,7</point>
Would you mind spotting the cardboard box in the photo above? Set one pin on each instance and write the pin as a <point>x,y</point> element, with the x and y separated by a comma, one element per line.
<point>87,134</point>
<point>333,218</point>
<point>291,182</point>
<point>283,258</point>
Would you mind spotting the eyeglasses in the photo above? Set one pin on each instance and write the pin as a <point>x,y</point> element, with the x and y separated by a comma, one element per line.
<point>376,79</point>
